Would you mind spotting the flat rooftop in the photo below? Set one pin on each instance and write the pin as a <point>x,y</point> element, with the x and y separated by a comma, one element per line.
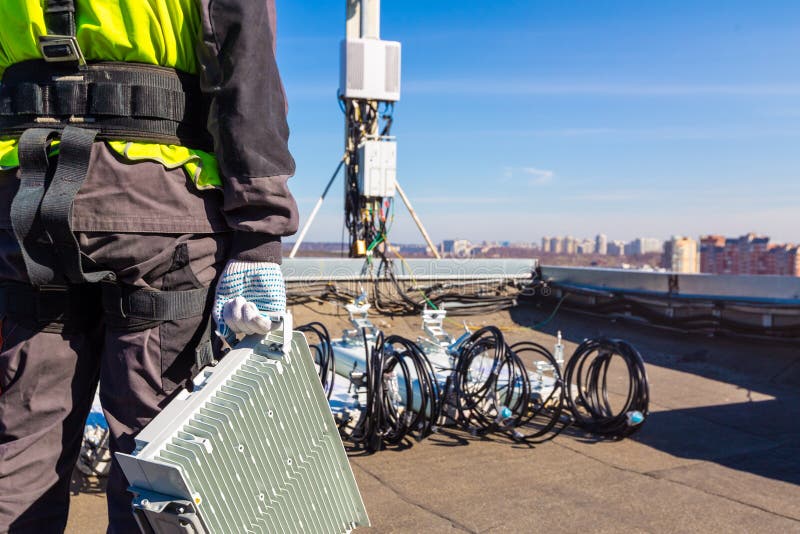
<point>720,451</point>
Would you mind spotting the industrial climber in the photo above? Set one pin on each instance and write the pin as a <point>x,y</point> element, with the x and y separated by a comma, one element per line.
<point>143,193</point>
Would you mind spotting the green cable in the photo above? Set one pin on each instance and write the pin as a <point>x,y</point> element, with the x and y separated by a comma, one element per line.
<point>555,311</point>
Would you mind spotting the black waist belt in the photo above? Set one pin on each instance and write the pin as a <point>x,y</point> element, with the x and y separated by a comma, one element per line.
<point>122,101</point>
<point>50,308</point>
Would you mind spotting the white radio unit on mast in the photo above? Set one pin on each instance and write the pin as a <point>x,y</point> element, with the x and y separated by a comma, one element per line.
<point>370,70</point>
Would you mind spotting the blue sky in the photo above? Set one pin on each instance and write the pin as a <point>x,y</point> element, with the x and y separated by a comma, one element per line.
<point>527,118</point>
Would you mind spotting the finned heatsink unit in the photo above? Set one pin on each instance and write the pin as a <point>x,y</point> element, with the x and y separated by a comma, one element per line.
<point>370,70</point>
<point>254,448</point>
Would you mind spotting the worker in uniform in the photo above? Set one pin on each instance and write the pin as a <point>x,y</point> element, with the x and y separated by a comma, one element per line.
<point>143,192</point>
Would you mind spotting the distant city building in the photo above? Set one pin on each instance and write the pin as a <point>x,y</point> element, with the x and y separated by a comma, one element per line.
<point>645,245</point>
<point>616,248</point>
<point>681,255</point>
<point>747,254</point>
<point>712,254</point>
<point>586,247</point>
<point>457,248</point>
<point>545,244</point>
<point>627,249</point>
<point>569,245</point>
<point>555,245</point>
<point>601,244</point>
<point>784,260</point>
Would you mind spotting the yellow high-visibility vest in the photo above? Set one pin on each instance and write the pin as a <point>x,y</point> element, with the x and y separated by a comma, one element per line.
<point>156,32</point>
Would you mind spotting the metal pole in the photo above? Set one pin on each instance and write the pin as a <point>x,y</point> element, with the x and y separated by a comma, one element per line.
<point>310,220</point>
<point>370,19</point>
<point>353,19</point>
<point>416,220</point>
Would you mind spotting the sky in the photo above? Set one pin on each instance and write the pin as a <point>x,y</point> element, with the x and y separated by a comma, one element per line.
<point>520,119</point>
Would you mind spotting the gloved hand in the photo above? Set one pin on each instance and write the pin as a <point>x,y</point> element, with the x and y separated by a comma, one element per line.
<point>245,292</point>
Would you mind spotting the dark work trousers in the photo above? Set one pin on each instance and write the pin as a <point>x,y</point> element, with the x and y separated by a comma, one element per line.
<point>47,380</point>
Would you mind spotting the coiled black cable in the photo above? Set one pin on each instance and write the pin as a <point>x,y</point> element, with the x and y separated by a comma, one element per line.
<point>323,354</point>
<point>544,417</point>
<point>402,395</point>
<point>492,391</point>
<point>474,383</point>
<point>422,402</point>
<point>586,376</point>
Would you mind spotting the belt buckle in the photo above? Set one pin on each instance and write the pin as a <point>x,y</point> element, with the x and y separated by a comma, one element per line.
<point>60,49</point>
<point>52,303</point>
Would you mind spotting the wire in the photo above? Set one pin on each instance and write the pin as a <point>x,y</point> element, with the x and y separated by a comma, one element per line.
<point>323,354</point>
<point>402,396</point>
<point>491,390</point>
<point>586,376</point>
<point>552,315</point>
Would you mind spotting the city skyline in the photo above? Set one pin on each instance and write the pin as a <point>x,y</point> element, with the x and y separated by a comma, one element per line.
<point>523,119</point>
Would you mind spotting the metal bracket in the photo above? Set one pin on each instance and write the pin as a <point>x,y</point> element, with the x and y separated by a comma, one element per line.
<point>156,513</point>
<point>359,317</point>
<point>285,346</point>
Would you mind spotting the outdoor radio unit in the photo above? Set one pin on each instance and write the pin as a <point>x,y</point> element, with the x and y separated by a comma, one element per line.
<point>253,448</point>
<point>370,70</point>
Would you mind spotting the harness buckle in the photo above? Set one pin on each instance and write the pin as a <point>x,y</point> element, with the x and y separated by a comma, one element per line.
<point>61,48</point>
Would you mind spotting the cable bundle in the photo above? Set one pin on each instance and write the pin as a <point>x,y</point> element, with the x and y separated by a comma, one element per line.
<point>477,297</point>
<point>402,395</point>
<point>323,354</point>
<point>491,390</point>
<point>545,418</point>
<point>586,376</point>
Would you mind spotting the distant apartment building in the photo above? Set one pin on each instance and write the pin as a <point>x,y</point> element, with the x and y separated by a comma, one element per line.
<point>681,255</point>
<point>712,254</point>
<point>646,245</point>
<point>586,246</point>
<point>616,248</point>
<point>457,248</point>
<point>570,245</point>
<point>545,244</point>
<point>556,245</point>
<point>627,249</point>
<point>784,260</point>
<point>601,244</point>
<point>747,254</point>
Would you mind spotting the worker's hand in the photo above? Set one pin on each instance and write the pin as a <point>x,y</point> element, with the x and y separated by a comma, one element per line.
<point>246,291</point>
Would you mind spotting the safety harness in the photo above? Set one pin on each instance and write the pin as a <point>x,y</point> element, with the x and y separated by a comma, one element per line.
<point>63,97</point>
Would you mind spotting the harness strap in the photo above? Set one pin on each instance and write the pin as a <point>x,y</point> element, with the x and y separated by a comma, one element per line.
<point>33,163</point>
<point>204,352</point>
<point>56,207</point>
<point>135,309</point>
<point>127,302</point>
<point>59,17</point>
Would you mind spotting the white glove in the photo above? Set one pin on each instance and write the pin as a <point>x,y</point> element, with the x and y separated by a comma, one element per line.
<point>246,292</point>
